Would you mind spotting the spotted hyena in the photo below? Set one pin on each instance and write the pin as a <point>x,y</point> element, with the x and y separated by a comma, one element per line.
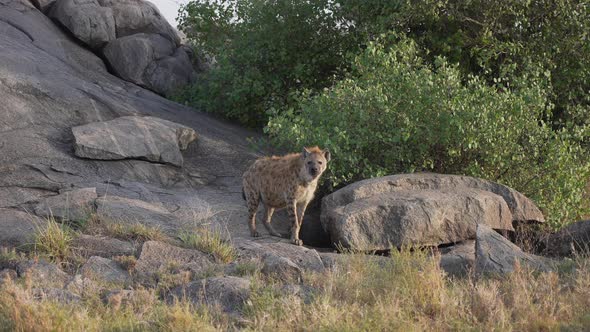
<point>283,182</point>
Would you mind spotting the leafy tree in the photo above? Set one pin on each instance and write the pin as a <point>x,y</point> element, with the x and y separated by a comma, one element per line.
<point>264,51</point>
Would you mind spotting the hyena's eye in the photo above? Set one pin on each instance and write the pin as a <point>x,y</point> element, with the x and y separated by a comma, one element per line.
<point>319,162</point>
<point>309,162</point>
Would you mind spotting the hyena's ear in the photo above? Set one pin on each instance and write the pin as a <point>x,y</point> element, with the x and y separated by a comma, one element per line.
<point>305,153</point>
<point>327,154</point>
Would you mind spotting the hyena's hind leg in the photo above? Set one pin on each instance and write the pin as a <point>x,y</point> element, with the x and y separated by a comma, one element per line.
<point>268,211</point>
<point>252,201</point>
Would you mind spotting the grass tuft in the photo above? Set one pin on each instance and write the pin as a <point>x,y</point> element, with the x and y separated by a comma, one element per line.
<point>53,240</point>
<point>211,242</point>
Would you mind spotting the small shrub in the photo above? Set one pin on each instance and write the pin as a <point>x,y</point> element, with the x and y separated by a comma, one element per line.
<point>211,242</point>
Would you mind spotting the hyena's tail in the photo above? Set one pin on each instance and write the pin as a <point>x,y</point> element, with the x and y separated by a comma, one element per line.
<point>243,194</point>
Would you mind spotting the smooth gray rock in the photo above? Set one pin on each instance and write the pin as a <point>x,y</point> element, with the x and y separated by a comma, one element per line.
<point>130,211</point>
<point>157,257</point>
<point>459,259</point>
<point>150,60</point>
<point>228,292</point>
<point>140,16</point>
<point>281,268</point>
<point>104,269</point>
<point>422,218</point>
<point>75,205</point>
<point>130,137</point>
<point>420,209</point>
<point>495,255</point>
<point>18,228</point>
<point>131,55</point>
<point>91,245</point>
<point>280,257</point>
<point>42,273</point>
<point>570,240</point>
<point>171,73</point>
<point>87,20</point>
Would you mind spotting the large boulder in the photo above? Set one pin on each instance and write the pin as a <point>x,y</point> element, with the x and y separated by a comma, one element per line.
<point>140,16</point>
<point>87,20</point>
<point>420,209</point>
<point>75,205</point>
<point>495,255</point>
<point>151,61</point>
<point>130,137</point>
<point>280,259</point>
<point>570,240</point>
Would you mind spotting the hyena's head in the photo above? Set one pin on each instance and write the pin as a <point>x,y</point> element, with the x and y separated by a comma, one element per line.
<point>315,162</point>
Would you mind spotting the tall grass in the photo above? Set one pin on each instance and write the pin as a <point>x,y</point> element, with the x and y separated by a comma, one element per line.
<point>54,240</point>
<point>407,292</point>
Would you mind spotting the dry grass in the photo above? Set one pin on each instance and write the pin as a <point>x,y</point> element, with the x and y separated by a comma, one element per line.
<point>124,230</point>
<point>19,311</point>
<point>53,240</point>
<point>407,292</point>
<point>209,241</point>
<point>410,293</point>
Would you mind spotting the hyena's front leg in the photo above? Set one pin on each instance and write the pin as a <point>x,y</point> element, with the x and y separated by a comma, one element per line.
<point>268,211</point>
<point>301,212</point>
<point>252,202</point>
<point>292,209</point>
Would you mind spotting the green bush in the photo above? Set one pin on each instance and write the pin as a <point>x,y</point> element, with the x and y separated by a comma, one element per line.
<point>395,113</point>
<point>495,39</point>
<point>264,50</point>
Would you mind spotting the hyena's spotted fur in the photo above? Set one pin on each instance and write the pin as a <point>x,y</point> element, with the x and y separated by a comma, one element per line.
<point>283,182</point>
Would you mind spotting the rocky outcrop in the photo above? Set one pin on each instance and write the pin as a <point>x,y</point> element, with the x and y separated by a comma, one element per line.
<point>87,20</point>
<point>139,16</point>
<point>571,240</point>
<point>138,43</point>
<point>132,137</point>
<point>420,209</point>
<point>495,255</point>
<point>151,61</point>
